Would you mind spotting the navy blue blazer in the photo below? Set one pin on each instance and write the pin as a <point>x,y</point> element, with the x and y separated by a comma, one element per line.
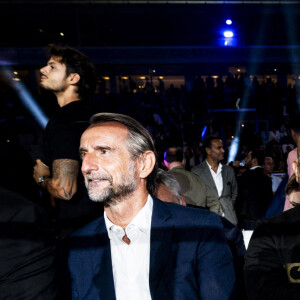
<point>189,257</point>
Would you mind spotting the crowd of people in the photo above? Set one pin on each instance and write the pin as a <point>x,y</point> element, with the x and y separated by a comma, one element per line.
<point>84,201</point>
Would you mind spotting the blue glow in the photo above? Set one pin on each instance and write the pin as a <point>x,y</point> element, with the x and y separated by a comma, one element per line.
<point>203,131</point>
<point>233,149</point>
<point>165,154</point>
<point>28,101</point>
<point>228,34</point>
<point>228,22</point>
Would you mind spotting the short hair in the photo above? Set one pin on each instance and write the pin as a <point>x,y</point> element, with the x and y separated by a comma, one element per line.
<point>173,154</point>
<point>169,180</point>
<point>259,155</point>
<point>268,157</point>
<point>139,139</point>
<point>76,62</point>
<point>207,142</point>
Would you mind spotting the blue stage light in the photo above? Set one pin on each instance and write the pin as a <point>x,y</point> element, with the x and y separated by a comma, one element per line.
<point>228,22</point>
<point>233,149</point>
<point>228,34</point>
<point>203,131</point>
<point>27,99</point>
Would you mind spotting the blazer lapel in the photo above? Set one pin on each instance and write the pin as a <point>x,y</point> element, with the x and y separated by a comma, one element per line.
<point>209,179</point>
<point>103,266</point>
<point>160,243</point>
<point>224,178</point>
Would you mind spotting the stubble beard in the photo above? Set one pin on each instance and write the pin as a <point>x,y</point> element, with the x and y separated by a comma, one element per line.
<point>113,194</point>
<point>57,88</point>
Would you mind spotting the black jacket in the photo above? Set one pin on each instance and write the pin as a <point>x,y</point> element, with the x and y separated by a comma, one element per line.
<point>254,194</point>
<point>273,258</point>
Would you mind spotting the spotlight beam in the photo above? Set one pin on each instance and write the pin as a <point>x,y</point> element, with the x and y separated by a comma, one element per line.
<point>27,99</point>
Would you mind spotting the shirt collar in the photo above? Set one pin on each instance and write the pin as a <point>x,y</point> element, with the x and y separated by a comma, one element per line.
<point>141,221</point>
<point>253,168</point>
<point>219,168</point>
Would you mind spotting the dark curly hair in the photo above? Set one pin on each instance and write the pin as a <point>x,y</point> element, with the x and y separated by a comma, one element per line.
<point>76,62</point>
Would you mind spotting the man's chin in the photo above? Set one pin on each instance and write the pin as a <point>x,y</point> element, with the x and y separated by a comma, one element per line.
<point>99,196</point>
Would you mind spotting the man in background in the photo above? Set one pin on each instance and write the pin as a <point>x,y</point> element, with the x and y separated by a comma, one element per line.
<point>194,189</point>
<point>255,191</point>
<point>219,177</point>
<point>268,167</point>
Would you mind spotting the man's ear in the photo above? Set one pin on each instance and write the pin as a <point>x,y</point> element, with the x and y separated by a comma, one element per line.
<point>74,78</point>
<point>295,168</point>
<point>146,163</point>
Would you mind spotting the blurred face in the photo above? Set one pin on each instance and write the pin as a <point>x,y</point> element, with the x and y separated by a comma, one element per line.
<point>216,151</point>
<point>107,166</point>
<point>268,165</point>
<point>53,76</point>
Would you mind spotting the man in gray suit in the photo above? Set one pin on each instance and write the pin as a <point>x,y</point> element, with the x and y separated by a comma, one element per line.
<point>194,189</point>
<point>219,177</point>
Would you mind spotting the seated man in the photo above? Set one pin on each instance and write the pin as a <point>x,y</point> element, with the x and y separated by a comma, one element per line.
<point>273,257</point>
<point>194,189</point>
<point>168,188</point>
<point>142,248</point>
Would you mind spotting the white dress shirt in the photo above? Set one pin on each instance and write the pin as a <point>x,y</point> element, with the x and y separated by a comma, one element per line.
<point>217,177</point>
<point>131,263</point>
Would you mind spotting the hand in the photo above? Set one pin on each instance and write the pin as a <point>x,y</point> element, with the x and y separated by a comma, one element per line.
<point>236,163</point>
<point>40,169</point>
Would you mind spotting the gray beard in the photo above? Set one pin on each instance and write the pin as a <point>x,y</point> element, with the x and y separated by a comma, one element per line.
<point>113,195</point>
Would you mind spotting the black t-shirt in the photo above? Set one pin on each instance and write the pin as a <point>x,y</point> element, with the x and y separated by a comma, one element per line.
<point>61,141</point>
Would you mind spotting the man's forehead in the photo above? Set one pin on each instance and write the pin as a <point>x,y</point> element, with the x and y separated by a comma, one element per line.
<point>107,128</point>
<point>217,142</point>
<point>106,125</point>
<point>56,59</point>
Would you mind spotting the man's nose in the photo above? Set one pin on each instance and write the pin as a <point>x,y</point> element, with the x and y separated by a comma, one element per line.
<point>89,163</point>
<point>43,70</point>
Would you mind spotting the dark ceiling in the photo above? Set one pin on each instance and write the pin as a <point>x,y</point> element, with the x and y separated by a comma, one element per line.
<point>98,23</point>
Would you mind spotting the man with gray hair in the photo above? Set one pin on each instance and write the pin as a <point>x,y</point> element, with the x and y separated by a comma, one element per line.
<point>194,188</point>
<point>168,188</point>
<point>142,248</point>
